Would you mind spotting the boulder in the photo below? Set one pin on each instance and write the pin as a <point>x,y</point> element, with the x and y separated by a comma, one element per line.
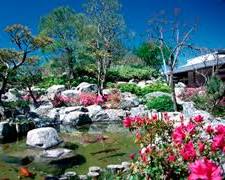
<point>128,100</point>
<point>141,110</point>
<point>115,114</point>
<point>93,110</point>
<point>55,153</point>
<point>156,94</point>
<point>100,116</point>
<point>7,131</point>
<point>76,118</point>
<point>180,89</point>
<point>141,84</point>
<point>43,110</point>
<point>43,138</point>
<point>11,96</point>
<point>55,89</point>
<point>70,93</point>
<point>64,111</point>
<point>180,85</point>
<point>85,87</point>
<point>54,113</point>
<point>188,109</point>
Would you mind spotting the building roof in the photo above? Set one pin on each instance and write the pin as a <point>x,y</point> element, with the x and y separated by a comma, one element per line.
<point>207,60</point>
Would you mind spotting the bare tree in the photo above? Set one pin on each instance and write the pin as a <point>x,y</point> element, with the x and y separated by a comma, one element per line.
<point>172,35</point>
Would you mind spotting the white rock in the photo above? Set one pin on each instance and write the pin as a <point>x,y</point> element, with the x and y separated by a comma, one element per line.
<point>87,88</point>
<point>128,100</point>
<point>43,138</point>
<point>93,110</point>
<point>55,89</point>
<point>77,118</point>
<point>70,93</point>
<point>115,114</point>
<point>56,153</point>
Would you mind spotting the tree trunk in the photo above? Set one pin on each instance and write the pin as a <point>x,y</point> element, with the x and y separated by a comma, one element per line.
<point>172,86</point>
<point>72,74</point>
<point>2,90</point>
<point>32,96</point>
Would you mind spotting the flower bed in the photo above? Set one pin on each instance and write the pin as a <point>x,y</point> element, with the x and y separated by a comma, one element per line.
<point>191,150</point>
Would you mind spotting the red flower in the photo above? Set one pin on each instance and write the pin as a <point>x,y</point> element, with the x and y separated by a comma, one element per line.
<point>154,117</point>
<point>218,142</point>
<point>199,118</point>
<point>139,120</point>
<point>204,169</point>
<point>188,151</point>
<point>127,122</point>
<point>171,158</point>
<point>178,135</point>
<point>209,129</point>
<point>132,156</point>
<point>201,146</point>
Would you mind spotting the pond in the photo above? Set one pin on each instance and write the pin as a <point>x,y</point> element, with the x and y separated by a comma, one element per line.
<point>97,145</point>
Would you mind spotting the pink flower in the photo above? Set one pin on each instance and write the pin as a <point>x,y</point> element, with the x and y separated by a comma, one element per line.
<point>209,129</point>
<point>171,158</point>
<point>188,151</point>
<point>138,135</point>
<point>149,149</point>
<point>166,116</point>
<point>190,128</point>
<point>220,129</point>
<point>201,146</point>
<point>139,120</point>
<point>204,169</point>
<point>127,122</point>
<point>199,118</point>
<point>182,118</point>
<point>218,142</point>
<point>178,135</point>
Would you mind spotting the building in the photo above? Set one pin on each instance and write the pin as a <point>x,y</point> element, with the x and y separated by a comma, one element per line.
<point>196,70</point>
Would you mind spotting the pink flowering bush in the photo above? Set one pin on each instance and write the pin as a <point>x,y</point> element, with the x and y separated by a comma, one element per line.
<point>189,93</point>
<point>191,151</point>
<point>85,99</point>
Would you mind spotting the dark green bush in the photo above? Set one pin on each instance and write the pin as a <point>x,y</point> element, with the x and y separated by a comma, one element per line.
<point>161,103</point>
<point>155,87</point>
<point>126,73</point>
<point>134,89</point>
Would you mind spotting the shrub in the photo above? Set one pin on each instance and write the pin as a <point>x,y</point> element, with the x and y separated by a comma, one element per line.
<point>134,89</point>
<point>161,103</point>
<point>155,87</point>
<point>126,73</point>
<point>190,151</point>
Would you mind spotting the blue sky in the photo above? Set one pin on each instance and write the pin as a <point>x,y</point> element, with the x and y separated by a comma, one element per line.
<point>211,15</point>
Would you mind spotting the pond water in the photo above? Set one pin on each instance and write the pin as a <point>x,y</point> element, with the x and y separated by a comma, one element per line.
<point>97,145</point>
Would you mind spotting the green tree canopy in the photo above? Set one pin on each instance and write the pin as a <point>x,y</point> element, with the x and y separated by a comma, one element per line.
<point>150,53</point>
<point>68,29</point>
